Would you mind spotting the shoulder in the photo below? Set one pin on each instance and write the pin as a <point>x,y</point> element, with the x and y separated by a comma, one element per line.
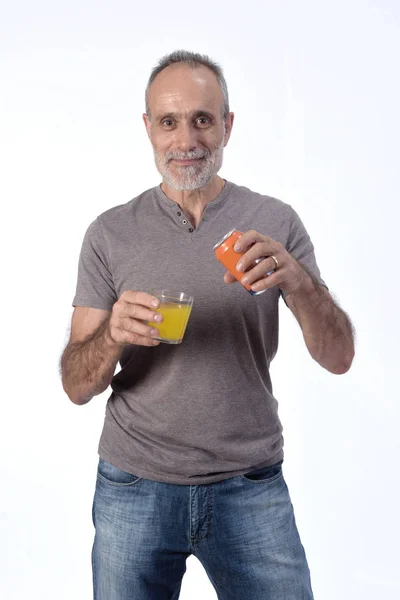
<point>266,207</point>
<point>122,213</point>
<point>120,219</point>
<point>264,201</point>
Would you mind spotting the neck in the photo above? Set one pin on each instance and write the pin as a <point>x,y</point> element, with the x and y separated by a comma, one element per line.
<point>193,202</point>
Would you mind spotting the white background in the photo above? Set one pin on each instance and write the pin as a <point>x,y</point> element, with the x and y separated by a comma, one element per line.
<point>315,90</point>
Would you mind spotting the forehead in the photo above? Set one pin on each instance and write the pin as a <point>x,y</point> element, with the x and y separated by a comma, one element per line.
<point>180,88</point>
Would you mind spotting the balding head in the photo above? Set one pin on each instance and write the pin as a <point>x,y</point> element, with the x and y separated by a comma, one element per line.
<point>193,60</point>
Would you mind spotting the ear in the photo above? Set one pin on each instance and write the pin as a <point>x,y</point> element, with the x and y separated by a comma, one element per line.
<point>228,127</point>
<point>147,124</point>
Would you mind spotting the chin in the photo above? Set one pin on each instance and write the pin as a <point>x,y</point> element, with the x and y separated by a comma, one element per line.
<point>189,178</point>
<point>185,185</point>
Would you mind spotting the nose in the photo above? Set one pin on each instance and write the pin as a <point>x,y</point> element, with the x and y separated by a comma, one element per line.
<point>186,138</point>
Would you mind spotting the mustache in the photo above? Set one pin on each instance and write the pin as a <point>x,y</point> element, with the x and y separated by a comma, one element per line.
<point>196,153</point>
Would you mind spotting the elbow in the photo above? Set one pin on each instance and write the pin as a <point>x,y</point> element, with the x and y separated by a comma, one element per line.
<point>75,397</point>
<point>344,366</point>
<point>340,370</point>
<point>79,400</point>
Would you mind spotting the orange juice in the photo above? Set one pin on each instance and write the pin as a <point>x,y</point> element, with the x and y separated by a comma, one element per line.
<point>173,327</point>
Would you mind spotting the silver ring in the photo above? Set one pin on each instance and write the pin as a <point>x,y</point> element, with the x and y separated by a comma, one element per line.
<point>276,261</point>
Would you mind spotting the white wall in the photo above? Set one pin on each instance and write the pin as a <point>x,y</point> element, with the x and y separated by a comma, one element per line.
<point>315,89</point>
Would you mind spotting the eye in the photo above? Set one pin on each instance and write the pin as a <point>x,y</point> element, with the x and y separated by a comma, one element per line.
<point>202,121</point>
<point>167,122</point>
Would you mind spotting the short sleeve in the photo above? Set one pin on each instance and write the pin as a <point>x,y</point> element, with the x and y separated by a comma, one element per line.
<point>95,287</point>
<point>301,247</point>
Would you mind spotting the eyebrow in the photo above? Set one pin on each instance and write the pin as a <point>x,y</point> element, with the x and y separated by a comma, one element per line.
<point>193,115</point>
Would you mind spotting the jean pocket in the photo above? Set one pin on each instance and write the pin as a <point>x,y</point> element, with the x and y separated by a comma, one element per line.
<point>264,474</point>
<point>107,472</point>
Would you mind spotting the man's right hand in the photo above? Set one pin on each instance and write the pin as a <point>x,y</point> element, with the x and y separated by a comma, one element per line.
<point>128,321</point>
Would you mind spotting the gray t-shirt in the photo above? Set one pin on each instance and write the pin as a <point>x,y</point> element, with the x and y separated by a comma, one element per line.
<point>203,410</point>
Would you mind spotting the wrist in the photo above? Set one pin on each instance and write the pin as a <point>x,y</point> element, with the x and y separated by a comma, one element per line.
<point>307,293</point>
<point>109,341</point>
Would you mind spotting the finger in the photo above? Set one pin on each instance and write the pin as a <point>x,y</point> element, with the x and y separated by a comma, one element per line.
<point>229,278</point>
<point>140,340</point>
<point>141,313</point>
<point>247,239</point>
<point>142,298</point>
<point>267,282</point>
<point>123,336</point>
<point>143,328</point>
<point>260,271</point>
<point>258,250</point>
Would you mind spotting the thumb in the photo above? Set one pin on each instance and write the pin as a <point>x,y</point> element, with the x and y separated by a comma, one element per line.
<point>229,278</point>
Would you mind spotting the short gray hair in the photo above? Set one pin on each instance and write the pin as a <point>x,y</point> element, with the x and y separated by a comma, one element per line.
<point>193,59</point>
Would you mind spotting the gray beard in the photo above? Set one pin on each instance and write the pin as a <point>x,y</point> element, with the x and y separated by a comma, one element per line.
<point>192,177</point>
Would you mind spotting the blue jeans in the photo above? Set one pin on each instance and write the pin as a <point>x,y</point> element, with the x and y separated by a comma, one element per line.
<point>242,530</point>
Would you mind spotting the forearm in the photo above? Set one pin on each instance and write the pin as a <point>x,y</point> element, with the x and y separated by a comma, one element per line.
<point>328,332</point>
<point>87,367</point>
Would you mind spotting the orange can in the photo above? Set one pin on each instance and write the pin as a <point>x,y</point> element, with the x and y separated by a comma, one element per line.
<point>229,258</point>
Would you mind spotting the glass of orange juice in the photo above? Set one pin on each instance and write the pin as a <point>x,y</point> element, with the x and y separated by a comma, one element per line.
<point>175,308</point>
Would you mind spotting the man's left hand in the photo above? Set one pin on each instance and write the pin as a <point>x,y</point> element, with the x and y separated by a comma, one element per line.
<point>288,276</point>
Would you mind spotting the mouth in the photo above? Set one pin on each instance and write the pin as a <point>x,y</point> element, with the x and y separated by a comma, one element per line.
<point>186,162</point>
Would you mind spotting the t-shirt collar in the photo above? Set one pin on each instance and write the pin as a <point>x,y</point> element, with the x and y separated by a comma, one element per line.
<point>224,193</point>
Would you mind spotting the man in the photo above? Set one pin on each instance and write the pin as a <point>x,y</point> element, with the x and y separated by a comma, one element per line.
<point>191,451</point>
